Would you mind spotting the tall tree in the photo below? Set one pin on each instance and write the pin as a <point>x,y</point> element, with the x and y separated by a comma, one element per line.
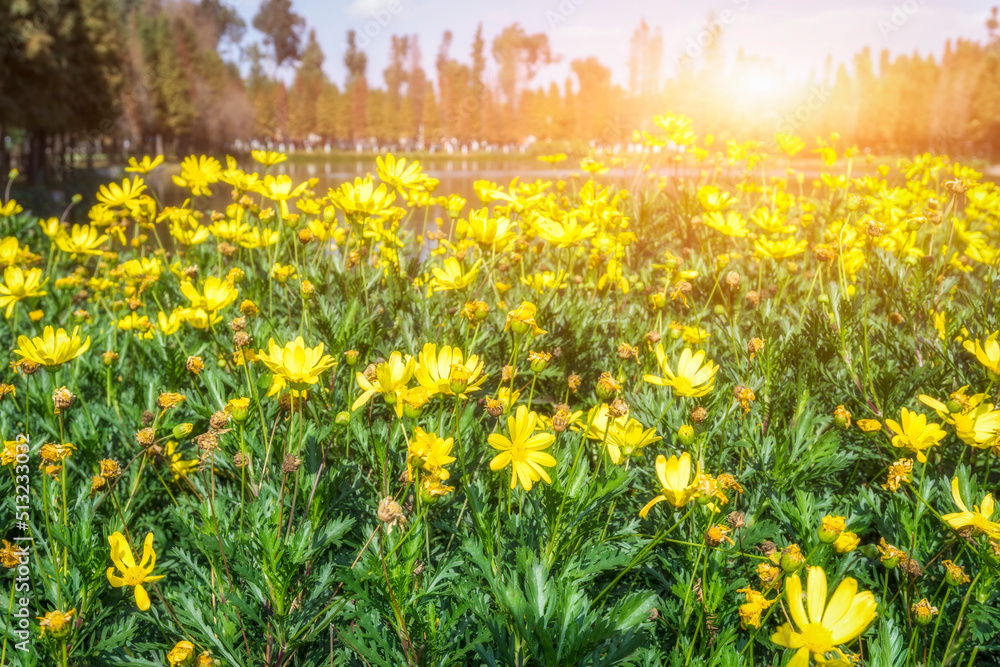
<point>357,86</point>
<point>282,29</point>
<point>306,90</point>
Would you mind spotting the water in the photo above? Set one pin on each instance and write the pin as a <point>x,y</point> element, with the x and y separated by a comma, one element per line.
<point>456,175</point>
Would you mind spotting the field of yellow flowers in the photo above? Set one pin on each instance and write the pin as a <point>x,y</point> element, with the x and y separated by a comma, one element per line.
<point>732,415</point>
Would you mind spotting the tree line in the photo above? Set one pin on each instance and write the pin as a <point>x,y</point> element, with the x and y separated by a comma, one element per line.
<point>81,77</point>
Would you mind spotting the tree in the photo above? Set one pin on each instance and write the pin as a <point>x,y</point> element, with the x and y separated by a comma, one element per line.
<point>519,56</point>
<point>357,86</point>
<point>282,29</point>
<point>306,90</point>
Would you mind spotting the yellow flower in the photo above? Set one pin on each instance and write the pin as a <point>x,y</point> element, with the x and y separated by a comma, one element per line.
<point>712,199</point>
<point>789,144</point>
<point>778,250</point>
<point>257,238</point>
<point>446,371</point>
<point>268,158</point>
<point>522,450</point>
<point>169,324</point>
<point>121,195</point>
<point>132,574</point>
<point>771,222</point>
<point>296,364</point>
<point>53,348</point>
<point>283,273</point>
<point>565,233</point>
<point>197,173</point>
<point>450,276</point>
<point>495,233</point>
<point>978,519</point>
<point>198,318</point>
<point>692,378</point>
<point>56,622</point>
<point>19,285</point>
<point>677,486</point>
<point>138,324</point>
<point>183,651</point>
<point>621,435</point>
<point>522,319</point>
<point>733,224</point>
<point>988,353</point>
<point>361,198</point>
<point>11,208</point>
<point>390,380</point>
<point>846,616</point>
<point>545,281</point>
<point>430,452</point>
<point>11,554</point>
<point>179,466</point>
<point>145,166</point>
<point>397,173</point>
<point>750,611</point>
<point>846,542</point>
<point>217,294</point>
<point>279,189</point>
<point>914,433</point>
<point>553,159</point>
<point>82,240</point>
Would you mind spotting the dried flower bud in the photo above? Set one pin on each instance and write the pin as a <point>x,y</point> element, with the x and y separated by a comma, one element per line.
<point>146,418</point>
<point>145,437</point>
<point>207,442</point>
<point>219,420</point>
<point>508,374</point>
<point>607,386</point>
<point>389,511</point>
<point>573,381</point>
<point>736,519</point>
<point>494,407</point>
<point>195,365</point>
<point>291,464</point>
<point>732,280</point>
<point>618,408</point>
<point>699,414</point>
<point>63,399</point>
<point>238,324</point>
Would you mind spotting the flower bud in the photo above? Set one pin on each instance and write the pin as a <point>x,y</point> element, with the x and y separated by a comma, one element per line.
<point>923,612</point>
<point>831,529</point>
<point>686,435</point>
<point>846,542</point>
<point>458,378</point>
<point>351,357</point>
<point>343,418</point>
<point>954,575</point>
<point>842,417</point>
<point>182,431</point>
<point>539,361</point>
<point>792,559</point>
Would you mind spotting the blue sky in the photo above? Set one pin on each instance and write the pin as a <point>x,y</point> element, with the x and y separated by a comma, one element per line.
<point>796,34</point>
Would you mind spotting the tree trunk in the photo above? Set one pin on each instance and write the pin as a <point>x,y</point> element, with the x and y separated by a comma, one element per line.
<point>4,153</point>
<point>36,157</point>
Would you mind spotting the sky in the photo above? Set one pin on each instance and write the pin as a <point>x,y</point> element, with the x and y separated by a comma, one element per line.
<point>798,35</point>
